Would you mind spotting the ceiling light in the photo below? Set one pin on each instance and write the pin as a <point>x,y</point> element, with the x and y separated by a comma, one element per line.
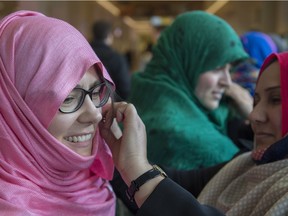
<point>216,6</point>
<point>109,7</point>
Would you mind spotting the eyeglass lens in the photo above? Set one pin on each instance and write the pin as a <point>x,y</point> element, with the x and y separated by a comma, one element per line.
<point>99,96</point>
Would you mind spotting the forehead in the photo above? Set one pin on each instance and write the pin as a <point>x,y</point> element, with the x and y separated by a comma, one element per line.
<point>270,77</point>
<point>90,76</point>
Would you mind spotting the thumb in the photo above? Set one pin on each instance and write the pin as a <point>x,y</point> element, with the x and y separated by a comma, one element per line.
<point>107,134</point>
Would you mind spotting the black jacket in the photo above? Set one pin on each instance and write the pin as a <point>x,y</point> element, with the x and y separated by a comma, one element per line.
<point>116,66</point>
<point>171,199</point>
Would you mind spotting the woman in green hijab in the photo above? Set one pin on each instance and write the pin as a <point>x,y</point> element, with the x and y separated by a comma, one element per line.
<point>179,95</point>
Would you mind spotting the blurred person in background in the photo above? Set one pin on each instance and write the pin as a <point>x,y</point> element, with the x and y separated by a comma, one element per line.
<point>258,45</point>
<point>115,63</point>
<point>185,96</point>
<point>280,41</point>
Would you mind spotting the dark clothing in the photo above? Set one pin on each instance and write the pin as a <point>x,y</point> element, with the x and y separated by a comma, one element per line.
<point>171,199</point>
<point>239,130</point>
<point>175,196</point>
<point>116,66</point>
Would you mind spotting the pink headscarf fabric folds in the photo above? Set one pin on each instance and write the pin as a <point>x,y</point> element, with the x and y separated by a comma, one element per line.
<point>41,61</point>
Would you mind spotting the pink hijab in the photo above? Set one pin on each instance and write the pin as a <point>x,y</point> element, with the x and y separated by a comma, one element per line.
<point>263,155</point>
<point>41,61</point>
<point>282,58</point>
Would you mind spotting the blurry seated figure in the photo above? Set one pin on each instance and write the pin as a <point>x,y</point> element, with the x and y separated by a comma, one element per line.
<point>258,45</point>
<point>185,96</point>
<point>116,64</point>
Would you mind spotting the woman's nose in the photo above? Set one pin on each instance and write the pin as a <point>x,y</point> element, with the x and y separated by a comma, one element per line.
<point>89,111</point>
<point>225,79</point>
<point>257,115</point>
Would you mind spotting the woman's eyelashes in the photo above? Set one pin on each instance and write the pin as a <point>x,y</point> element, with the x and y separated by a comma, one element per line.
<point>273,98</point>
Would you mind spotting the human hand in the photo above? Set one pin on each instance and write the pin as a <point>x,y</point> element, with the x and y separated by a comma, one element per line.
<point>242,99</point>
<point>128,146</point>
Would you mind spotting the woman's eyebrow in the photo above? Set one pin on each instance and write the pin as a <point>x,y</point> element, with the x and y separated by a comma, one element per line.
<point>91,85</point>
<point>272,88</point>
<point>95,83</point>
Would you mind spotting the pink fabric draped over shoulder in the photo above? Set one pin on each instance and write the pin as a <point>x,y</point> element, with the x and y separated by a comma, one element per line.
<point>282,58</point>
<point>41,61</point>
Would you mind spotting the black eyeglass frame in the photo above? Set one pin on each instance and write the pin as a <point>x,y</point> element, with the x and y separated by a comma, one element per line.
<point>89,92</point>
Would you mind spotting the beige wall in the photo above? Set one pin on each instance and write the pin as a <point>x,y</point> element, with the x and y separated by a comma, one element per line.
<point>266,16</point>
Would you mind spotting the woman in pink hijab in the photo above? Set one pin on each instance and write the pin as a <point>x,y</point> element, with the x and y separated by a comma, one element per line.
<point>42,60</point>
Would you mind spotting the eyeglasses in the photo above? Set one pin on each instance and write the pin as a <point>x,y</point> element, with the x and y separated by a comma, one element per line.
<point>98,94</point>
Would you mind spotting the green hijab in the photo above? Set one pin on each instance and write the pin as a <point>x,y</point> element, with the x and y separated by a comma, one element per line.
<point>181,133</point>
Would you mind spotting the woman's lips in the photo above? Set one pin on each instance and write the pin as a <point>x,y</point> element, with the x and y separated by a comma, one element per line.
<point>263,136</point>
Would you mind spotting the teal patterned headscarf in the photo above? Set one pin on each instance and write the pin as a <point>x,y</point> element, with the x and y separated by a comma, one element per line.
<point>181,133</point>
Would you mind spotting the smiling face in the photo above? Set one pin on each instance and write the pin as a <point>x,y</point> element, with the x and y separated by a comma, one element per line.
<point>266,115</point>
<point>76,130</point>
<point>211,86</point>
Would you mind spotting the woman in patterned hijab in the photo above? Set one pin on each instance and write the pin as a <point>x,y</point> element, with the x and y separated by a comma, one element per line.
<point>256,183</point>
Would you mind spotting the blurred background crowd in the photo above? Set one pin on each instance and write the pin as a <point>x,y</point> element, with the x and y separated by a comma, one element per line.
<point>135,25</point>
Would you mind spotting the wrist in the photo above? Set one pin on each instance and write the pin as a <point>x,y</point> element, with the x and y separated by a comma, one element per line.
<point>133,172</point>
<point>151,178</point>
